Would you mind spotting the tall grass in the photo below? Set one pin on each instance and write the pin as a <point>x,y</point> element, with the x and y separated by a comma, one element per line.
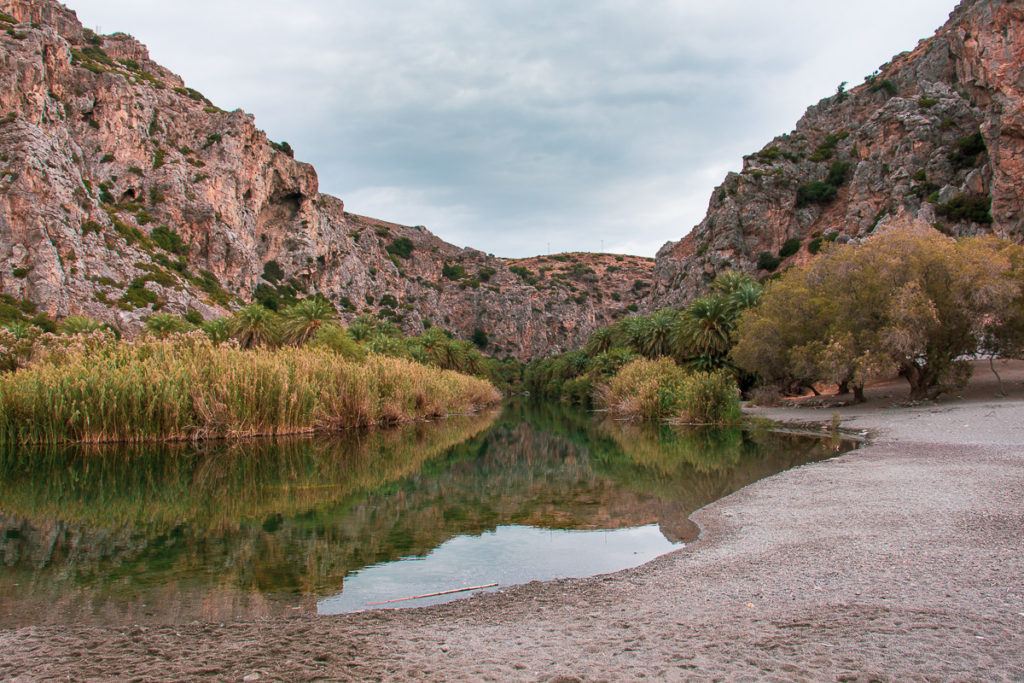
<point>185,387</point>
<point>660,389</point>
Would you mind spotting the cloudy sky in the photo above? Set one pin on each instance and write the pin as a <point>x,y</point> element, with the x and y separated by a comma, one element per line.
<point>523,126</point>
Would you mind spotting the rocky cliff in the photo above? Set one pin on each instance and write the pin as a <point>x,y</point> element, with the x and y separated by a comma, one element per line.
<point>124,192</point>
<point>935,136</point>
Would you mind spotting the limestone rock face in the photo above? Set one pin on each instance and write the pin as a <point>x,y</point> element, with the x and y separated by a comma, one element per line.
<point>936,135</point>
<point>104,154</point>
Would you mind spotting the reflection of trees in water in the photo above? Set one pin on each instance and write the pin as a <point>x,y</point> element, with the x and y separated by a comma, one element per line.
<point>297,516</point>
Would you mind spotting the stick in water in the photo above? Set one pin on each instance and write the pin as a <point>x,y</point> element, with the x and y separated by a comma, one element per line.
<point>431,595</point>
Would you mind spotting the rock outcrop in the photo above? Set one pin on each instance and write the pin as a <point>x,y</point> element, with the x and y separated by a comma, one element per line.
<point>124,192</point>
<point>935,135</point>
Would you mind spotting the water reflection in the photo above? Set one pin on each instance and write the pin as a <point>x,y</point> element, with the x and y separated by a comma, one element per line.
<point>259,528</point>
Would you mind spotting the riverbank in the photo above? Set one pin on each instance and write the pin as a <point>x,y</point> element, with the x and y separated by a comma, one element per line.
<point>901,560</point>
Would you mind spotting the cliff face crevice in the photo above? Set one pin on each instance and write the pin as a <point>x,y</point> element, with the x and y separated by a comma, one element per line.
<point>103,153</point>
<point>933,137</point>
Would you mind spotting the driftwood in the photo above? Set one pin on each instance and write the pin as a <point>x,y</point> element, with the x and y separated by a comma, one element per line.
<point>431,595</point>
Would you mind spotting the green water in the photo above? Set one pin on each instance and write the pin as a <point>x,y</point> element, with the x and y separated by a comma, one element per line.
<point>262,528</point>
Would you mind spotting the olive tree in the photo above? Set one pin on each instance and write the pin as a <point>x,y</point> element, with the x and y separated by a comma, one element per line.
<point>910,302</point>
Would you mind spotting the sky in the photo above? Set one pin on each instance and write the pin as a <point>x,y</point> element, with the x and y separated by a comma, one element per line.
<point>523,127</point>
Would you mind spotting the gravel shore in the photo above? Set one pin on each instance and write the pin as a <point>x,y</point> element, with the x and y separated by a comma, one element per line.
<point>902,560</point>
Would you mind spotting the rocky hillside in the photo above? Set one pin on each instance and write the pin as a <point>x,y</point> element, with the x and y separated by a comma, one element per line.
<point>123,192</point>
<point>935,136</point>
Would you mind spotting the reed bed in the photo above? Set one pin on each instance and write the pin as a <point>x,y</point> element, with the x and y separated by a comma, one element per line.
<point>186,387</point>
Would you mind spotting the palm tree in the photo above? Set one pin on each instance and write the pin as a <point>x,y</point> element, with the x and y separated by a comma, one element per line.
<point>301,320</point>
<point>218,329</point>
<point>78,324</point>
<point>703,332</point>
<point>254,326</point>
<point>746,295</point>
<point>164,325</point>
<point>600,341</point>
<point>655,333</point>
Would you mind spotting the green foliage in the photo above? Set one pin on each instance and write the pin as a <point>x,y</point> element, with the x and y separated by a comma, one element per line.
<point>814,246</point>
<point>137,295</point>
<point>968,151</point>
<point>789,247</point>
<point>838,172</point>
<point>484,274</point>
<point>164,325</point>
<point>899,302</point>
<point>283,147</point>
<point>401,247</point>
<point>966,208</point>
<point>159,159</point>
<point>816,192</point>
<point>453,271</point>
<point>479,338</point>
<point>107,158</point>
<point>255,325</point>
<point>525,273</point>
<point>884,86</point>
<point>169,240</point>
<point>301,321</point>
<point>927,102</point>
<point>768,261</point>
<point>827,148</point>
<point>272,271</point>
<point>660,389</point>
<point>698,337</point>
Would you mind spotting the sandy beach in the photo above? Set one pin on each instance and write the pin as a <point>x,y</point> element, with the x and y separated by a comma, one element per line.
<point>902,560</point>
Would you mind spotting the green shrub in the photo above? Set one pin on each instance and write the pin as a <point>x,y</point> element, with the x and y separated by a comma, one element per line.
<point>169,240</point>
<point>107,158</point>
<point>817,192</point>
<point>710,398</point>
<point>659,389</point>
<point>272,271</point>
<point>283,147</point>
<point>91,226</point>
<point>968,150</point>
<point>838,173</point>
<point>479,338</point>
<point>967,208</point>
<point>453,271</point>
<point>885,86</point>
<point>401,247</point>
<point>814,246</point>
<point>524,273</point>
<point>789,247</point>
<point>767,261</point>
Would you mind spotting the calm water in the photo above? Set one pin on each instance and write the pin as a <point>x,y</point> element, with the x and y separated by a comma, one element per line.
<point>261,528</point>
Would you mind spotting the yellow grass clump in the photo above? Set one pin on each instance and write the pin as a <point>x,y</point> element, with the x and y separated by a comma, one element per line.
<point>186,387</point>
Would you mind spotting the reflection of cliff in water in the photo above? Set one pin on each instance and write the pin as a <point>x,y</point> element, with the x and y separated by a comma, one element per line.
<point>256,528</point>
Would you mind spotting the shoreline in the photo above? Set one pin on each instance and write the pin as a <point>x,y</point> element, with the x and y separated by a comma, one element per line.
<point>899,560</point>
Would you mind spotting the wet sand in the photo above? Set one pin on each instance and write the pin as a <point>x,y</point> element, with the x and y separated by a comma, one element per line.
<point>902,560</point>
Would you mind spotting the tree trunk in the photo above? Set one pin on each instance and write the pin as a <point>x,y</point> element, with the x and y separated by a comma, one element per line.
<point>858,393</point>
<point>844,388</point>
<point>992,364</point>
<point>915,377</point>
